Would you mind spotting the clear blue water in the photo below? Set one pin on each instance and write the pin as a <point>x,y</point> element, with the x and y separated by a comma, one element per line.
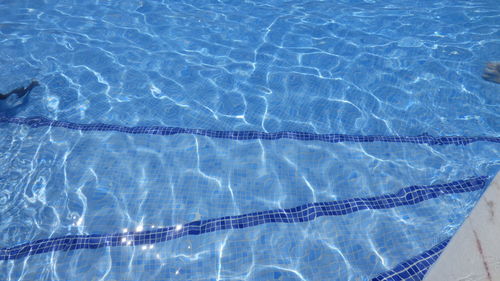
<point>348,67</point>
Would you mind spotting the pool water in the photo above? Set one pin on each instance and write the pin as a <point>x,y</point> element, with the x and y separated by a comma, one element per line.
<point>242,140</point>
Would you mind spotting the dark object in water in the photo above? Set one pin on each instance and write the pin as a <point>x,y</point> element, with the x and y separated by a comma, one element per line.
<point>21,91</point>
<point>492,72</point>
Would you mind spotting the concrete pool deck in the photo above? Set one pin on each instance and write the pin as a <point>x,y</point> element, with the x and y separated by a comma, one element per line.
<point>474,252</point>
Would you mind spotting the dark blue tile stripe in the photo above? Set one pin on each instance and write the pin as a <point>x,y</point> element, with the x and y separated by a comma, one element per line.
<point>415,268</point>
<point>307,212</point>
<point>248,135</point>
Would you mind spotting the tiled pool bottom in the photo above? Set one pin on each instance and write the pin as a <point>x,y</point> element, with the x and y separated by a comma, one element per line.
<point>36,122</point>
<point>412,269</point>
<point>261,137</point>
<point>406,196</point>
<point>411,266</point>
<point>355,210</point>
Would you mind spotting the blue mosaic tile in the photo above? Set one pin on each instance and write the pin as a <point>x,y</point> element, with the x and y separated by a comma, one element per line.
<point>303,213</point>
<point>415,268</point>
<point>36,122</point>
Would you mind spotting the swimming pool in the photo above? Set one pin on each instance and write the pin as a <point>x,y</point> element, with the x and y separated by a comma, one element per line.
<point>230,140</point>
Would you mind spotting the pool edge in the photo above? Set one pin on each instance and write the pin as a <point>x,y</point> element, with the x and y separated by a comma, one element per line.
<point>474,252</point>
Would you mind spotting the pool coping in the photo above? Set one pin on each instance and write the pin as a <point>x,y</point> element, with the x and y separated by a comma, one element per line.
<point>474,252</point>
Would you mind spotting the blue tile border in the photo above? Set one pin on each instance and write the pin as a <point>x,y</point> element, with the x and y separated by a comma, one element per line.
<point>303,213</point>
<point>36,122</point>
<point>415,268</point>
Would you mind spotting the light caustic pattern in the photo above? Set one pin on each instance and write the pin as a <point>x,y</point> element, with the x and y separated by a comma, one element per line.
<point>406,196</point>
<point>396,70</point>
<point>356,68</point>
